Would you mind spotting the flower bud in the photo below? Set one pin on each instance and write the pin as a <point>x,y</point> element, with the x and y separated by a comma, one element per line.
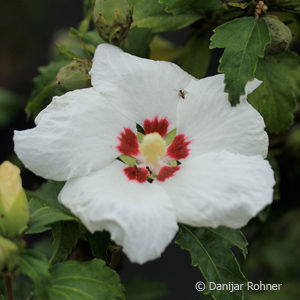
<point>8,250</point>
<point>14,213</point>
<point>74,76</point>
<point>281,35</point>
<point>112,19</point>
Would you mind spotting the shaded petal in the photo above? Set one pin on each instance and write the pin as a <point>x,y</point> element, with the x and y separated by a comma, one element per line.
<point>75,135</point>
<point>220,189</point>
<point>140,88</point>
<point>206,117</point>
<point>139,216</point>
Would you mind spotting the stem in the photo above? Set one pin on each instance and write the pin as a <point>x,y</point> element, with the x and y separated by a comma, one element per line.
<point>116,254</point>
<point>9,286</point>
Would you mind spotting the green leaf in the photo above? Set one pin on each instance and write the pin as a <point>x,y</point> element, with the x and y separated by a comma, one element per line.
<point>137,42</point>
<point>66,51</point>
<point>10,105</point>
<point>34,264</point>
<point>88,5</point>
<point>90,280</point>
<point>45,208</point>
<point>100,242</point>
<point>244,40</point>
<point>151,14</point>
<point>44,245</point>
<point>210,250</point>
<point>48,192</point>
<point>181,6</point>
<point>143,289</point>
<point>195,56</point>
<point>163,49</point>
<point>43,215</point>
<point>44,87</point>
<point>65,236</point>
<point>91,37</point>
<point>276,98</point>
<point>23,288</point>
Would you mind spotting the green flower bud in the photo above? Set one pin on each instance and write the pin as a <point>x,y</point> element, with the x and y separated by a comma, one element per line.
<point>74,76</point>
<point>281,35</point>
<point>293,142</point>
<point>112,19</point>
<point>8,257</point>
<point>14,213</point>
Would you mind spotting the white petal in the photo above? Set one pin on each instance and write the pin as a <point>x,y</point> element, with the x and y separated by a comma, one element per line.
<point>140,88</point>
<point>251,86</point>
<point>140,217</point>
<point>220,189</point>
<point>206,117</point>
<point>76,134</point>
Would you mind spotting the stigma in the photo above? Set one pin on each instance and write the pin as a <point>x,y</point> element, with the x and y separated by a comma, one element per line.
<point>153,147</point>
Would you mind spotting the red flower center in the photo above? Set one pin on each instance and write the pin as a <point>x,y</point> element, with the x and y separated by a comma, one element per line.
<point>159,169</point>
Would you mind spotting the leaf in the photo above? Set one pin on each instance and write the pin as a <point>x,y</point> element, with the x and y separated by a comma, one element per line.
<point>48,192</point>
<point>90,280</point>
<point>10,105</point>
<point>181,6</point>
<point>195,56</point>
<point>244,40</point>
<point>137,42</point>
<point>151,14</point>
<point>91,37</point>
<point>100,242</point>
<point>88,5</point>
<point>65,236</point>
<point>276,98</point>
<point>44,87</point>
<point>43,245</point>
<point>45,209</point>
<point>38,103</point>
<point>210,250</point>
<point>163,49</point>
<point>66,51</point>
<point>291,20</point>
<point>143,289</point>
<point>42,216</point>
<point>34,264</point>
<point>23,287</point>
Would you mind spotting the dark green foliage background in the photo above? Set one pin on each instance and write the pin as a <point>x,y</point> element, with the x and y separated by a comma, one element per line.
<point>30,28</point>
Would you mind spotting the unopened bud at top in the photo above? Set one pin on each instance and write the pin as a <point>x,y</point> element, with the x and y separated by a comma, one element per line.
<point>14,212</point>
<point>281,35</point>
<point>112,19</point>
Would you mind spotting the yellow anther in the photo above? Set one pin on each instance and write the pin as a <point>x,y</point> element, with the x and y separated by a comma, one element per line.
<point>153,147</point>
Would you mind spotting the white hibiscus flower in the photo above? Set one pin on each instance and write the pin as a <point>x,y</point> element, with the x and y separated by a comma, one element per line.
<point>213,173</point>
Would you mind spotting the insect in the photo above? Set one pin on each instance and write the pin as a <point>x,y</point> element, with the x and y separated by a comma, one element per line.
<point>182,94</point>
